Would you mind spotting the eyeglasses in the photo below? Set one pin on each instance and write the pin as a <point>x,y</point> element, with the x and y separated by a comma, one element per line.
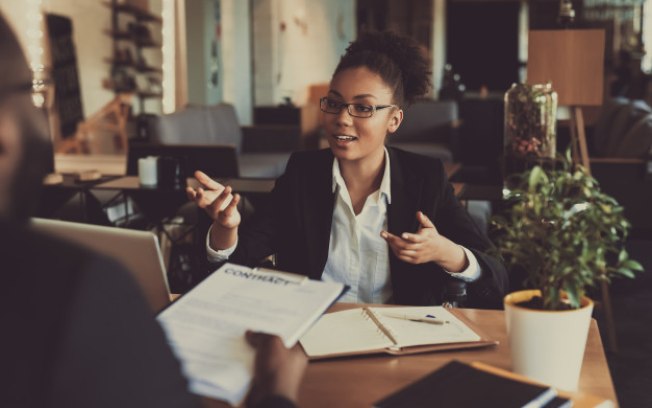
<point>358,110</point>
<point>41,89</point>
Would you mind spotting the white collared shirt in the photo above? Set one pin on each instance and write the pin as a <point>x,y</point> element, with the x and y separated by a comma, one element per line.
<point>357,255</point>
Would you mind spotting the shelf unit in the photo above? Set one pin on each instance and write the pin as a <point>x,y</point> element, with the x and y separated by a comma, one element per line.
<point>130,72</point>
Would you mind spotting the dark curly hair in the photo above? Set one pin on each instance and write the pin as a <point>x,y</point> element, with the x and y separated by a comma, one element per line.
<point>398,60</point>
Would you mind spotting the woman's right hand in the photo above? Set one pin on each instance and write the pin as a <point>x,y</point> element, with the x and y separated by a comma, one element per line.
<point>217,200</point>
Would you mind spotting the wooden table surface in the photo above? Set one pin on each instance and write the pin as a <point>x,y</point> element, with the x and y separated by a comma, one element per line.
<point>240,185</point>
<point>360,381</point>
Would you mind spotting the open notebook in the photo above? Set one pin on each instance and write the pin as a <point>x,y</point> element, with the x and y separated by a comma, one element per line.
<point>371,330</point>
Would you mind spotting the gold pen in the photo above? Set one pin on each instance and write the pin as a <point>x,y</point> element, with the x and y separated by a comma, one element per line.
<point>416,318</point>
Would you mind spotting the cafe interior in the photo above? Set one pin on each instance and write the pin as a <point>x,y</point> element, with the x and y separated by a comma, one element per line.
<point>233,87</point>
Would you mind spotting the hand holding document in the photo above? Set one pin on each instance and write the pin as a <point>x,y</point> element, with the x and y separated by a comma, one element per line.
<point>206,327</point>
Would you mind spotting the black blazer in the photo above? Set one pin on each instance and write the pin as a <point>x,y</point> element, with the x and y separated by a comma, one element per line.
<point>296,226</point>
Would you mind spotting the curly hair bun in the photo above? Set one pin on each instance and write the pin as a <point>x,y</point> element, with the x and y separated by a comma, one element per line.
<point>399,60</point>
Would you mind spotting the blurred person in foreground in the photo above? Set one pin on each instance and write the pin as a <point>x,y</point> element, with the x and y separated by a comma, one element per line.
<point>76,331</point>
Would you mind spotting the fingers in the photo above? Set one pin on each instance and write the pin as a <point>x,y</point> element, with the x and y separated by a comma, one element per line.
<point>277,370</point>
<point>203,198</point>
<point>410,248</point>
<point>255,339</point>
<point>207,182</point>
<point>408,258</point>
<point>424,220</point>
<point>397,243</point>
<point>414,238</point>
<point>233,206</point>
<point>218,204</point>
<point>252,338</point>
<point>190,193</point>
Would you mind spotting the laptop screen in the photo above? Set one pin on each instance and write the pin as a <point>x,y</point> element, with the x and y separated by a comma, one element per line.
<point>138,251</point>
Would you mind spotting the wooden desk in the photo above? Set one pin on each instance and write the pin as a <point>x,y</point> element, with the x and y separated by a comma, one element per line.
<point>360,381</point>
<point>240,185</point>
<point>107,164</point>
<point>56,195</point>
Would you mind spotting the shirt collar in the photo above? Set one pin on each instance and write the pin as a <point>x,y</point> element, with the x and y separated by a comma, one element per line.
<point>385,183</point>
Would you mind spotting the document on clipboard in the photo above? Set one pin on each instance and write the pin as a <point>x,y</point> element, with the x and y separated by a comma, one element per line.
<point>205,327</point>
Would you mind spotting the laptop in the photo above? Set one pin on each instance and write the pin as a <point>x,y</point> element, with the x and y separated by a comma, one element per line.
<point>139,251</point>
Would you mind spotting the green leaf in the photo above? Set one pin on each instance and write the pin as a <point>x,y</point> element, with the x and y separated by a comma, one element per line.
<point>563,232</point>
<point>537,176</point>
<point>633,265</point>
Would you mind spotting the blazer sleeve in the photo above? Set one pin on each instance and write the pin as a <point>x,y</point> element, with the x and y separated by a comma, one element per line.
<point>454,222</point>
<point>258,236</point>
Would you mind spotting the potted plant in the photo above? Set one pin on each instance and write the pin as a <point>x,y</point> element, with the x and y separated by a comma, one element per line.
<point>565,236</point>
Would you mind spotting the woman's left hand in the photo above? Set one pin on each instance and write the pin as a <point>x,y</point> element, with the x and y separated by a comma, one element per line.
<point>426,245</point>
<point>416,248</point>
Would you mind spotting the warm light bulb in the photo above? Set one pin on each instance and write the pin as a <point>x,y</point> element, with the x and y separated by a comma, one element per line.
<point>168,51</point>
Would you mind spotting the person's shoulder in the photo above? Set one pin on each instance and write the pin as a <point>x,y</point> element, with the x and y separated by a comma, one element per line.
<point>54,271</point>
<point>415,162</point>
<point>31,246</point>
<point>38,253</point>
<point>310,158</point>
<point>311,155</point>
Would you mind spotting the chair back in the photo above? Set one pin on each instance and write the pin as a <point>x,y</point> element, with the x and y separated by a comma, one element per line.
<point>200,125</point>
<point>427,120</point>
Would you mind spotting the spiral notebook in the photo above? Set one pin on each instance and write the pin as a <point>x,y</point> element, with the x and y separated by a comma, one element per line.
<point>371,330</point>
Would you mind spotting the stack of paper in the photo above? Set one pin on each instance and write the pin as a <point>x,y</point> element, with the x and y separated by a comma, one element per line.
<point>206,327</point>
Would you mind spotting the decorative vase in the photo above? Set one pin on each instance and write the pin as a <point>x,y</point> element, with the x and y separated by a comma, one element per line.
<point>547,345</point>
<point>530,127</point>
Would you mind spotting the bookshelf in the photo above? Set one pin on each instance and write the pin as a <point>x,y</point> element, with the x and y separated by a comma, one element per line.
<point>135,66</point>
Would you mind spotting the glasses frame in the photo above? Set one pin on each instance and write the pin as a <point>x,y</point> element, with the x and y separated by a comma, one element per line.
<point>374,108</point>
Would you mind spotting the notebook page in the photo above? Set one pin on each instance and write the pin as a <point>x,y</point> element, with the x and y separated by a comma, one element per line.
<point>409,333</point>
<point>344,332</point>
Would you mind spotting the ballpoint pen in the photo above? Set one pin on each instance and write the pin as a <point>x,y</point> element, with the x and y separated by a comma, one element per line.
<point>416,318</point>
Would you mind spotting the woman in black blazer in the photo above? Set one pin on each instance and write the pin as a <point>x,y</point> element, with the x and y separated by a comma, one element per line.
<point>382,220</point>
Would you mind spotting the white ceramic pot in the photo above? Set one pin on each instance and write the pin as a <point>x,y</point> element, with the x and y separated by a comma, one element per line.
<point>547,346</point>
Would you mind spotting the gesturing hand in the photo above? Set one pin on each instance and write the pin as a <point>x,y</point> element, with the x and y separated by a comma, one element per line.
<point>427,245</point>
<point>217,200</point>
<point>416,248</point>
<point>277,370</point>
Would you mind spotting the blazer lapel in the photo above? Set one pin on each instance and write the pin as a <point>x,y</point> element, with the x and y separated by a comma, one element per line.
<point>402,217</point>
<point>406,192</point>
<point>320,201</point>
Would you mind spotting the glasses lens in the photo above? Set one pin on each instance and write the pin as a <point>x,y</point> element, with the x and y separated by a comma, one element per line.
<point>361,110</point>
<point>330,105</point>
